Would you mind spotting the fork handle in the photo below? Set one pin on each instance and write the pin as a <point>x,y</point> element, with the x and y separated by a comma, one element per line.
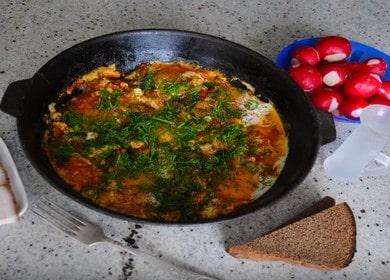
<point>180,272</point>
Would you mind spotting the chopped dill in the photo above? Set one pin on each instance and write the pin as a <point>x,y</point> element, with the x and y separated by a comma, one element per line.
<point>209,84</point>
<point>225,108</point>
<point>62,153</point>
<point>147,82</point>
<point>252,104</point>
<point>174,89</point>
<point>108,100</point>
<point>73,119</point>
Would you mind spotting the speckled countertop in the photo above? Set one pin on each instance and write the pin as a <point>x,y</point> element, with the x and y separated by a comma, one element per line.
<point>34,31</point>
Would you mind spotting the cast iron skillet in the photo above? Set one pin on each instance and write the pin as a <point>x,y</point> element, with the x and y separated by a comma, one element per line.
<point>28,100</point>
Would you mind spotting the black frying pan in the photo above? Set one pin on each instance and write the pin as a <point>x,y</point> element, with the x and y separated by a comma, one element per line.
<point>28,100</point>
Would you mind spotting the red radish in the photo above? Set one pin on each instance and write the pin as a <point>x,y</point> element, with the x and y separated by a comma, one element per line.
<point>333,48</point>
<point>375,65</point>
<point>306,76</point>
<point>305,55</point>
<point>379,100</point>
<point>362,85</point>
<point>384,92</point>
<point>352,107</point>
<point>352,67</point>
<point>333,75</point>
<point>326,99</point>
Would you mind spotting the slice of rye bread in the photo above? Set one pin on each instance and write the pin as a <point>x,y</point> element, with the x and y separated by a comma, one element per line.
<point>317,207</point>
<point>325,241</point>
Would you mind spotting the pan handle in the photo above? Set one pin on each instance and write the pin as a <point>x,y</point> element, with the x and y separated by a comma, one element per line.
<point>12,101</point>
<point>327,127</point>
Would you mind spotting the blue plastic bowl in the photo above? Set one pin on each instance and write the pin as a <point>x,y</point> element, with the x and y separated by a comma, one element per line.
<point>360,52</point>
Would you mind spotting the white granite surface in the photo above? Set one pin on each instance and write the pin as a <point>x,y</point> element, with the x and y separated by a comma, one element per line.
<point>34,31</point>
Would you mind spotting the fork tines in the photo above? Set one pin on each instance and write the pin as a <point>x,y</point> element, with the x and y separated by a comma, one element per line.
<point>57,216</point>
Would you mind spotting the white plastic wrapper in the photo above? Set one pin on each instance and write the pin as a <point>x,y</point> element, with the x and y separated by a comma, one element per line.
<point>13,198</point>
<point>7,206</point>
<point>3,176</point>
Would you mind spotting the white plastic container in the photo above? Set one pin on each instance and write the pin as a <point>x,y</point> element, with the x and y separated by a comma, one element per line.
<point>16,186</point>
<point>350,160</point>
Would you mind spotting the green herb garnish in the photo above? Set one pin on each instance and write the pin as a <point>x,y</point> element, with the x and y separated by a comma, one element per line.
<point>209,84</point>
<point>174,89</point>
<point>62,153</point>
<point>109,100</point>
<point>73,119</point>
<point>225,108</point>
<point>252,104</point>
<point>147,82</point>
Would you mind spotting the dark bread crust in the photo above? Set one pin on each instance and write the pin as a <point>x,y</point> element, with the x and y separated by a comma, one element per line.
<point>325,241</point>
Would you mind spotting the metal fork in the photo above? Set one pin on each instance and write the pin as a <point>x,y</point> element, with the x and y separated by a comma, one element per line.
<point>92,234</point>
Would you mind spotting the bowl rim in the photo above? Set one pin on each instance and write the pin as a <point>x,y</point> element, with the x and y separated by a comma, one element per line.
<point>283,54</point>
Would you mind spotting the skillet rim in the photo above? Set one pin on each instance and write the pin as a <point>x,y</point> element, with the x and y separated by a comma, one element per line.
<point>241,212</point>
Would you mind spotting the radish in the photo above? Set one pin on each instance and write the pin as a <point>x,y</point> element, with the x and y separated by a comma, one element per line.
<point>333,75</point>
<point>352,67</point>
<point>352,107</point>
<point>384,91</point>
<point>305,55</point>
<point>326,99</point>
<point>362,85</point>
<point>333,48</point>
<point>306,76</point>
<point>375,65</point>
<point>379,100</point>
